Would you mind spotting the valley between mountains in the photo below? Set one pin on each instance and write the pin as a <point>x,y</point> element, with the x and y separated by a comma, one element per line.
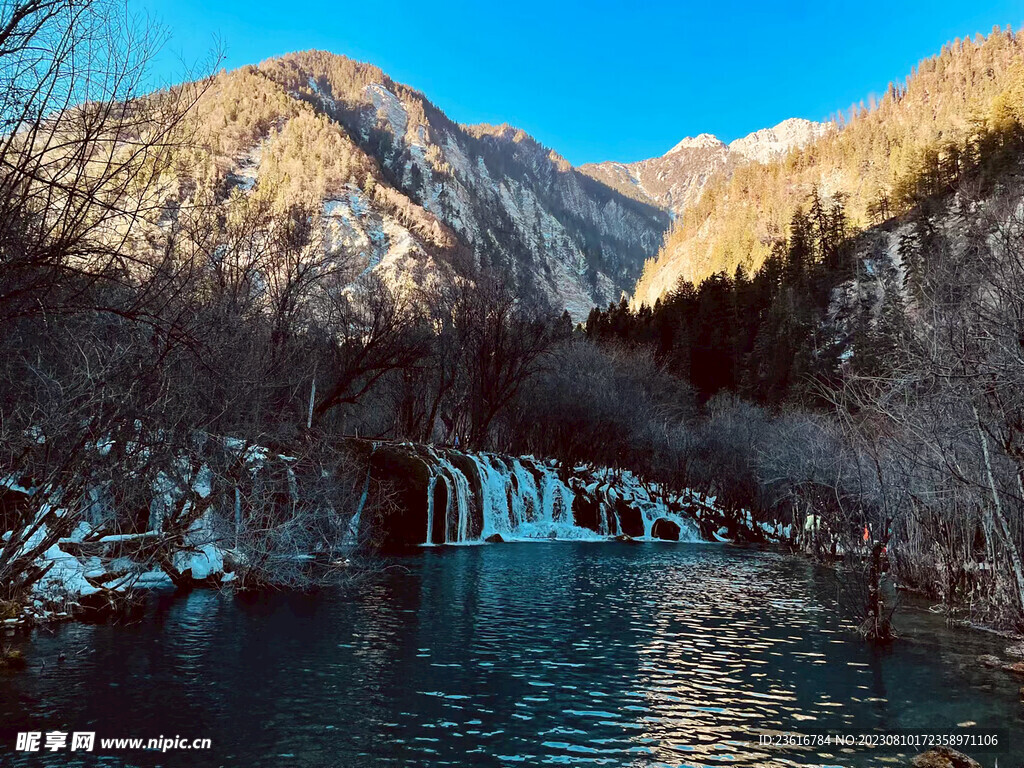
<point>352,405</point>
<point>412,194</point>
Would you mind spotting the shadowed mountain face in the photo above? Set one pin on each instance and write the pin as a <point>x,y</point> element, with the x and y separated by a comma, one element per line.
<point>409,192</point>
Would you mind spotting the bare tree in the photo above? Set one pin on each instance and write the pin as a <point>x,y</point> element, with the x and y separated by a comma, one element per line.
<point>84,152</point>
<point>945,421</point>
<point>373,330</point>
<point>83,156</point>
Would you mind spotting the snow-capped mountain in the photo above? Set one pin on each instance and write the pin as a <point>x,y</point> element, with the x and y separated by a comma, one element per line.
<point>701,141</point>
<point>770,143</point>
<point>676,179</point>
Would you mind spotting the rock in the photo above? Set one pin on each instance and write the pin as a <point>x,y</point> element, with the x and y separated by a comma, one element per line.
<point>990,661</point>
<point>586,512</point>
<point>625,538</point>
<point>1015,651</point>
<point>667,530</point>
<point>1016,668</point>
<point>495,538</point>
<point>944,757</point>
<point>1021,693</point>
<point>631,521</point>
<point>404,479</point>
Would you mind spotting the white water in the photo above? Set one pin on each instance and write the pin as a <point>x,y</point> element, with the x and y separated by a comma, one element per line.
<point>351,538</point>
<point>522,499</point>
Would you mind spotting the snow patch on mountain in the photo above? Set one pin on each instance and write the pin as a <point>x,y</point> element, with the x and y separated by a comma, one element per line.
<point>325,98</point>
<point>247,168</point>
<point>377,242</point>
<point>769,143</point>
<point>676,180</point>
<point>701,141</point>
<point>390,106</point>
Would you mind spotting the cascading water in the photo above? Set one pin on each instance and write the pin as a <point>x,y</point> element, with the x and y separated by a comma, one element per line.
<point>499,513</point>
<point>351,537</point>
<point>459,492</point>
<point>522,499</point>
<point>431,487</point>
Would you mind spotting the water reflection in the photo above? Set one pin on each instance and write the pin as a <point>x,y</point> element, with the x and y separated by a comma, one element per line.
<point>581,654</point>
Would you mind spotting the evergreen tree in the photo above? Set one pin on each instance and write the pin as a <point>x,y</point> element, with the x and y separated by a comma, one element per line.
<point>800,253</point>
<point>909,250</point>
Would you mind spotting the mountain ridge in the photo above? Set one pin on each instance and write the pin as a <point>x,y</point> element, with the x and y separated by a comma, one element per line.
<point>356,145</point>
<point>404,187</point>
<point>413,194</point>
<point>913,136</point>
<point>676,179</point>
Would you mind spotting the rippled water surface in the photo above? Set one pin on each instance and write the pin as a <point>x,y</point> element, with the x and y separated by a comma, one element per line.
<point>517,654</point>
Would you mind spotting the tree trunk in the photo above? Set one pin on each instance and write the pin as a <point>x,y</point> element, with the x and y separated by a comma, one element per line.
<point>995,512</point>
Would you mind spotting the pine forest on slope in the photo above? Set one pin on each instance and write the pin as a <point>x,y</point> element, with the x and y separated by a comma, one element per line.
<point>871,165</point>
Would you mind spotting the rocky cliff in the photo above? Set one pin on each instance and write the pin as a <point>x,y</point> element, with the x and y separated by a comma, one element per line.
<point>410,192</point>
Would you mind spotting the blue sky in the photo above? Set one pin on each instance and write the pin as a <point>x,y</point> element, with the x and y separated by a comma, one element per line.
<point>599,79</point>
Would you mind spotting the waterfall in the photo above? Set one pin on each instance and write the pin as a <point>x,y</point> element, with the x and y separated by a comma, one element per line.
<point>498,514</point>
<point>351,537</point>
<point>528,501</point>
<point>457,528</point>
<point>431,487</point>
<point>523,499</point>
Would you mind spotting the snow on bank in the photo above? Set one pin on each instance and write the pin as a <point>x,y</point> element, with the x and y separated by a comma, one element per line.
<point>95,567</point>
